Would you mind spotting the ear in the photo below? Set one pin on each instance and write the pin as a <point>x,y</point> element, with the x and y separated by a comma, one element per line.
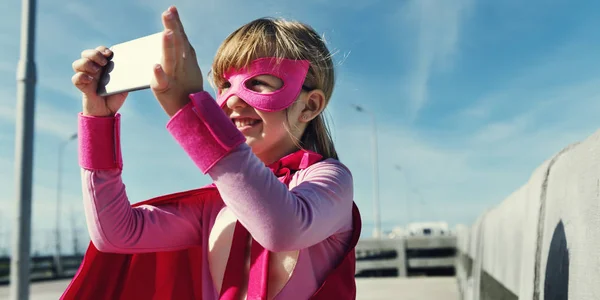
<point>314,104</point>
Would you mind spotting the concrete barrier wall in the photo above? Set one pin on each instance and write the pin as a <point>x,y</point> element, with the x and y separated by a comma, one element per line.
<point>373,254</point>
<point>502,260</point>
<point>462,238</point>
<point>530,230</point>
<point>406,256</point>
<point>509,237</point>
<point>476,254</point>
<point>570,245</point>
<point>473,242</point>
<point>462,260</point>
<point>543,240</point>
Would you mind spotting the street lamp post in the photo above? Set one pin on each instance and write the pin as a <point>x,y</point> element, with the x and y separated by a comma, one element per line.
<point>421,203</point>
<point>26,80</point>
<point>376,209</point>
<point>61,148</point>
<point>74,233</point>
<point>408,187</point>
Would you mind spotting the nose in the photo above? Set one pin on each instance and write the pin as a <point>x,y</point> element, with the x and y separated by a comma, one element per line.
<point>236,102</point>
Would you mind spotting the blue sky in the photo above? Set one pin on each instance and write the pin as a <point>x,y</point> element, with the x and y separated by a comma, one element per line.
<point>469,97</point>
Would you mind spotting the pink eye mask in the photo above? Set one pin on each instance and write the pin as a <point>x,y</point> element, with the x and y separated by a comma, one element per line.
<point>291,72</point>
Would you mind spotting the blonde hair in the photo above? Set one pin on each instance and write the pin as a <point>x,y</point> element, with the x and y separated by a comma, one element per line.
<point>269,37</point>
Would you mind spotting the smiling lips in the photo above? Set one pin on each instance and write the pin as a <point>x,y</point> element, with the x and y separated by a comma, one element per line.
<point>244,124</point>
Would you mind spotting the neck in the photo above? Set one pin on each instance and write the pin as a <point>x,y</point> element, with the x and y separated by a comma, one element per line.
<point>276,153</point>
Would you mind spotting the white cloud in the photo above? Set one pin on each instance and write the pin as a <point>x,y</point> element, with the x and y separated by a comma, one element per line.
<point>86,12</point>
<point>7,113</point>
<point>49,119</point>
<point>501,131</point>
<point>8,67</point>
<point>438,25</point>
<point>10,16</point>
<point>8,96</point>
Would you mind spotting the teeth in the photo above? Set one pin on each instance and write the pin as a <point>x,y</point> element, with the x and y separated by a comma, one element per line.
<point>245,122</point>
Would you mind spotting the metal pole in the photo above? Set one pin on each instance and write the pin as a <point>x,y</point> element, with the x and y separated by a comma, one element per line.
<point>377,231</point>
<point>376,207</point>
<point>26,80</point>
<point>3,245</point>
<point>74,232</point>
<point>422,202</point>
<point>407,190</point>
<point>57,259</point>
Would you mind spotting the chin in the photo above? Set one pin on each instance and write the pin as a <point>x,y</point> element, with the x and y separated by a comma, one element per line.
<point>258,146</point>
<point>252,142</point>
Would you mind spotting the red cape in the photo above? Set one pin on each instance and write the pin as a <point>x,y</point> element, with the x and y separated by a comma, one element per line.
<point>178,274</point>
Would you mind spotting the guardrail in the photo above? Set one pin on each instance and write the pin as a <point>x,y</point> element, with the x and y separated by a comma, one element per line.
<point>380,257</point>
<point>44,268</point>
<point>406,256</point>
<point>431,255</point>
<point>399,257</point>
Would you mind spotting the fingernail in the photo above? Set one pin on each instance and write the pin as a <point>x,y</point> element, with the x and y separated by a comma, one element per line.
<point>89,78</point>
<point>106,51</point>
<point>168,15</point>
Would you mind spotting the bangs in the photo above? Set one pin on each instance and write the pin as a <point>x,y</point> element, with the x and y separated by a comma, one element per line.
<point>260,38</point>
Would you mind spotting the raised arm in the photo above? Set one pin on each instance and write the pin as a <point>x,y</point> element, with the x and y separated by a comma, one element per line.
<point>113,225</point>
<point>319,206</point>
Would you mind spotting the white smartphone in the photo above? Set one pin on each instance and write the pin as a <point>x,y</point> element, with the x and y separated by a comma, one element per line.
<point>131,66</point>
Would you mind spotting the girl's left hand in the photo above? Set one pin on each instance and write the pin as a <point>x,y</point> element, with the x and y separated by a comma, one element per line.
<point>178,75</point>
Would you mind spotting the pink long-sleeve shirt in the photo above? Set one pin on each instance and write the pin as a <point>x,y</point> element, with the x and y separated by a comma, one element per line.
<point>307,226</point>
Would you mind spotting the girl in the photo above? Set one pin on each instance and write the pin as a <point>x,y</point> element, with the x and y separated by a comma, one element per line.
<point>278,222</point>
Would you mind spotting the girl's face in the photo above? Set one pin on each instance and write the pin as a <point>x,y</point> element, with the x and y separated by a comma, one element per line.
<point>266,132</point>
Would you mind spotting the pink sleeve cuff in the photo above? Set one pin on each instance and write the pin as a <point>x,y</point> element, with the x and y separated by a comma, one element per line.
<point>204,131</point>
<point>99,142</point>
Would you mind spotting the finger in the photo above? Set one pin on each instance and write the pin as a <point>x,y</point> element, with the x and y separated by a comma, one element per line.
<point>178,45</point>
<point>178,38</point>
<point>82,81</point>
<point>169,57</point>
<point>105,51</point>
<point>172,21</point>
<point>160,81</point>
<point>95,56</point>
<point>86,65</point>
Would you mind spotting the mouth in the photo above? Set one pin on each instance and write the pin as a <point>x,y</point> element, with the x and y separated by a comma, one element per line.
<point>244,124</point>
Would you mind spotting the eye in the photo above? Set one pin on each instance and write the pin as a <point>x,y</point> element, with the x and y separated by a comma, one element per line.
<point>260,85</point>
<point>264,83</point>
<point>256,82</point>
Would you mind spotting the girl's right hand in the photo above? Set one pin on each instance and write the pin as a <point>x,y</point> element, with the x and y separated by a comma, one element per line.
<point>87,73</point>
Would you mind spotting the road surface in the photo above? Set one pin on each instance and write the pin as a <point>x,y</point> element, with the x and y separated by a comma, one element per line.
<point>413,288</point>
